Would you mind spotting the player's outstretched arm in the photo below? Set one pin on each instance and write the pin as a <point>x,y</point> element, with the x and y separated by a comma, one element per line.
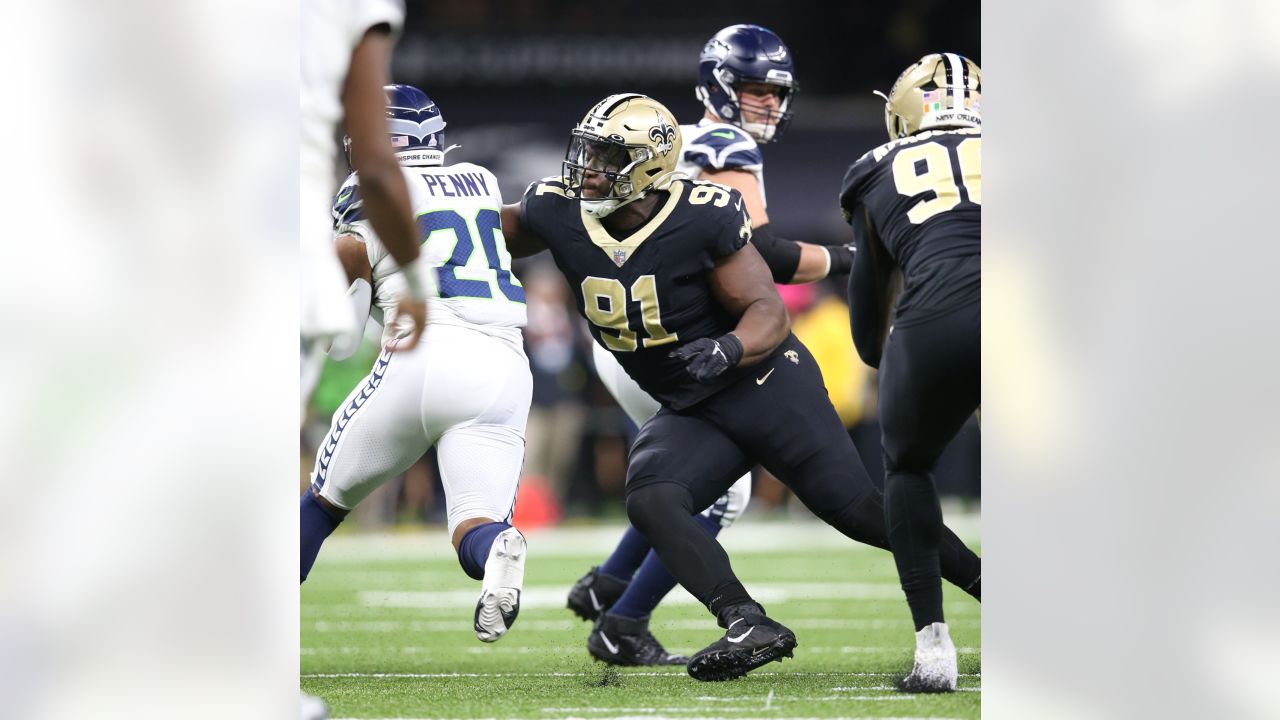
<point>521,241</point>
<point>790,261</point>
<point>382,186</point>
<point>743,286</point>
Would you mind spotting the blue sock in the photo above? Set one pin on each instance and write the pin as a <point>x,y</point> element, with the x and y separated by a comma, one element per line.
<point>652,582</point>
<point>473,551</point>
<point>316,524</point>
<point>631,551</point>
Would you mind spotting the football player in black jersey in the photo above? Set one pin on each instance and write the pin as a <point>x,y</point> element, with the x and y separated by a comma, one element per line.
<point>665,275</point>
<point>747,83</point>
<point>915,204</point>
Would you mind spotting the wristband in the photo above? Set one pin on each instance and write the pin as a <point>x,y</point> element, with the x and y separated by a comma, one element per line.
<point>840,259</point>
<point>416,279</point>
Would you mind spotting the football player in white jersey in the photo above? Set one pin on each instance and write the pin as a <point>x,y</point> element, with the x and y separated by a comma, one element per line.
<point>346,52</point>
<point>345,59</point>
<point>464,389</point>
<point>746,82</point>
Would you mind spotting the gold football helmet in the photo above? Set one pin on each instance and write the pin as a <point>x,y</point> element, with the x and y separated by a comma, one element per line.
<point>630,140</point>
<point>939,90</point>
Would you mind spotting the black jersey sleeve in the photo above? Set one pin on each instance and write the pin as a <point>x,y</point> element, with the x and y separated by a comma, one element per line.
<point>854,184</point>
<point>537,205</point>
<point>732,226</point>
<point>868,290</point>
<point>872,266</point>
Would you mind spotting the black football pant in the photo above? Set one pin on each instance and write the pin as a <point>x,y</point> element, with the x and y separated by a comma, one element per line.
<point>778,416</point>
<point>930,384</point>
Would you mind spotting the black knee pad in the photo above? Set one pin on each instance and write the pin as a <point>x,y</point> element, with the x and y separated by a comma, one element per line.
<point>648,503</point>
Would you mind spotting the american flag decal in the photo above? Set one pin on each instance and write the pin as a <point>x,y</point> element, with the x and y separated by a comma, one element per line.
<point>399,141</point>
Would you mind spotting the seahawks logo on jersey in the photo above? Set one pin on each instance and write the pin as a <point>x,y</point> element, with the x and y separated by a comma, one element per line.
<point>664,135</point>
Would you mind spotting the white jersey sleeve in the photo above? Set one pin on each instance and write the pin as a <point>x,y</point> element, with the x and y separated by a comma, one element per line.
<point>458,216</point>
<point>367,14</point>
<point>330,31</point>
<point>709,146</point>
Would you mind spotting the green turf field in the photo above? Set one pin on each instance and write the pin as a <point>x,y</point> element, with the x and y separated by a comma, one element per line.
<point>386,633</point>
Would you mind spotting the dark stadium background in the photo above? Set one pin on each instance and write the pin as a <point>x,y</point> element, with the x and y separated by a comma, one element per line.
<point>512,78</point>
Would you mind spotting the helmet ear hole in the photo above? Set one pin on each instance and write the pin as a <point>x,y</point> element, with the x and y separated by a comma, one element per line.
<point>653,171</point>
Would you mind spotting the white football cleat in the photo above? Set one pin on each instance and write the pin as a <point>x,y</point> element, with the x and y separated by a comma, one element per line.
<point>313,708</point>
<point>499,602</point>
<point>935,668</point>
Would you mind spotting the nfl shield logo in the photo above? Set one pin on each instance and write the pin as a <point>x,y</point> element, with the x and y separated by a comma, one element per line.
<point>619,257</point>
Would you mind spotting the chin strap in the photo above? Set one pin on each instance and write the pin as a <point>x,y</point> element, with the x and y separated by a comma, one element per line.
<point>661,183</point>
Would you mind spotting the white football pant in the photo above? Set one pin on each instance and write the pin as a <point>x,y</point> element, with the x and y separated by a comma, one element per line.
<point>460,389</point>
<point>640,406</point>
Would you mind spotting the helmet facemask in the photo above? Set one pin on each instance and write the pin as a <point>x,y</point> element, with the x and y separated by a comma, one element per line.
<point>626,146</point>
<point>739,55</point>
<point>774,121</point>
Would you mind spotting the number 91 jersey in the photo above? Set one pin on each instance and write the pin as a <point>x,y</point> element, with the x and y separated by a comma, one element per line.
<point>922,196</point>
<point>645,292</point>
<point>457,214</point>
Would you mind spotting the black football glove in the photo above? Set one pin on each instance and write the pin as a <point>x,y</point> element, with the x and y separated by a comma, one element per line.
<point>705,358</point>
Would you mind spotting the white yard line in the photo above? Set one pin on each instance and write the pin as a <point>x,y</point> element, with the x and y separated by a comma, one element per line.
<point>625,673</point>
<point>541,597</point>
<point>747,536</point>
<point>570,625</point>
<point>570,649</point>
<point>656,716</point>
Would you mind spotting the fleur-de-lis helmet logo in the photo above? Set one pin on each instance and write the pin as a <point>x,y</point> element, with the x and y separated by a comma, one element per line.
<point>664,135</point>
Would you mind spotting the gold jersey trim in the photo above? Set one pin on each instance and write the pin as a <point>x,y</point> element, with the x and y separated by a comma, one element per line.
<point>619,251</point>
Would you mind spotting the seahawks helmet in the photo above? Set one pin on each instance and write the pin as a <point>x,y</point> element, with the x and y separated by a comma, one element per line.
<point>630,139</point>
<point>747,54</point>
<point>415,125</point>
<point>941,90</point>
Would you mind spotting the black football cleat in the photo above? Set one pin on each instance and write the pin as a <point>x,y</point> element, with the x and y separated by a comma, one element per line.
<point>595,593</point>
<point>750,641</point>
<point>625,641</point>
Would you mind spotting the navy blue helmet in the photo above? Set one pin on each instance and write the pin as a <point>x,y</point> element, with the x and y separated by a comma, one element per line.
<point>747,54</point>
<point>415,125</point>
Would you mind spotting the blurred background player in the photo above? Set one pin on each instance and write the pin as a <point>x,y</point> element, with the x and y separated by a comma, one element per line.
<point>915,205</point>
<point>346,55</point>
<point>747,82</point>
<point>464,389</point>
<point>665,274</point>
<point>345,59</point>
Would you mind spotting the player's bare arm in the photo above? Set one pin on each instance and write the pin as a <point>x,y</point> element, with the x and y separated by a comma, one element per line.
<point>354,258</point>
<point>745,183</point>
<point>521,242</point>
<point>741,283</point>
<point>814,262</point>
<point>386,197</point>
